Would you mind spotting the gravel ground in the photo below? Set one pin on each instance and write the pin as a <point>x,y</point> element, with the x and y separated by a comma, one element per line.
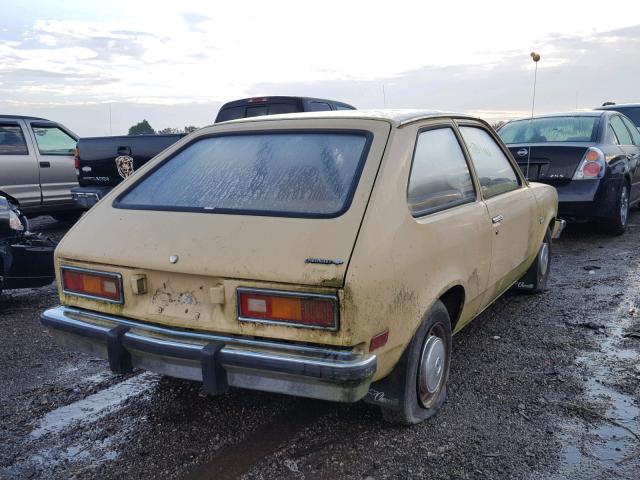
<point>542,386</point>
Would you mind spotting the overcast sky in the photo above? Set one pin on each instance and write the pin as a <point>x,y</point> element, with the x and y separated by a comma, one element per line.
<point>174,63</point>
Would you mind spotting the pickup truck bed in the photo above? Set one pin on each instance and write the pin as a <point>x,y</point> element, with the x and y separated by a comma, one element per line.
<point>103,162</point>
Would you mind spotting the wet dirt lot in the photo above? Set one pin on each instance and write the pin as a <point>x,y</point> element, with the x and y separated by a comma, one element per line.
<point>543,386</point>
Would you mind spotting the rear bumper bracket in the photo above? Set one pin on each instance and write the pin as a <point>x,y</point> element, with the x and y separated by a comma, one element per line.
<point>119,357</point>
<point>214,376</point>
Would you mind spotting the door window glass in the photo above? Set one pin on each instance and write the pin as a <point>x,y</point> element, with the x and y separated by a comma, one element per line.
<point>53,141</point>
<point>12,141</point>
<point>439,175</point>
<point>621,131</point>
<point>495,172</point>
<point>635,134</point>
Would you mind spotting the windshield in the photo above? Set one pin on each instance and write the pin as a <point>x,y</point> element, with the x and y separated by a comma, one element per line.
<point>550,129</point>
<point>298,174</point>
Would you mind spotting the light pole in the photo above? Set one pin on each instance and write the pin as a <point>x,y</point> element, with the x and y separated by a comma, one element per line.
<point>536,58</point>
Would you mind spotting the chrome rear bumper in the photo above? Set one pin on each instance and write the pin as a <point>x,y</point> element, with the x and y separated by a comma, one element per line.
<point>216,360</point>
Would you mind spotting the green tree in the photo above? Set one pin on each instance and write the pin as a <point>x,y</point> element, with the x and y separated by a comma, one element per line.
<point>142,128</point>
<point>190,129</point>
<point>169,130</point>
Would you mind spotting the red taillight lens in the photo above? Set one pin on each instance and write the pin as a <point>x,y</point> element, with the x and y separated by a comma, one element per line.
<point>76,159</point>
<point>106,286</point>
<point>288,307</point>
<point>591,169</point>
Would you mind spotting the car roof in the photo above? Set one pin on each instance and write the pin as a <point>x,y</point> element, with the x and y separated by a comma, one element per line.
<point>586,113</point>
<point>22,117</point>
<point>618,105</point>
<point>276,98</point>
<point>397,117</point>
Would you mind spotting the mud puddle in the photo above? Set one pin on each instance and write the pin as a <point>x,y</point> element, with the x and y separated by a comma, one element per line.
<point>608,437</point>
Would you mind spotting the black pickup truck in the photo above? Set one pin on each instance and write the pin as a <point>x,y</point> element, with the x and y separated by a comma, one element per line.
<point>103,162</point>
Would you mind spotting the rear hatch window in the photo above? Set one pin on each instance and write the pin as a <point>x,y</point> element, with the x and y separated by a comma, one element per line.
<point>295,174</point>
<point>550,129</point>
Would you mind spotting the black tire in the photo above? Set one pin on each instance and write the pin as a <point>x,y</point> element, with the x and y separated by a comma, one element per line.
<point>67,215</point>
<point>424,390</point>
<point>616,224</point>
<point>535,280</point>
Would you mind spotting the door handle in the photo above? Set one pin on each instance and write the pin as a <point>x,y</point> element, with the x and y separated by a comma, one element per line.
<point>45,164</point>
<point>497,219</point>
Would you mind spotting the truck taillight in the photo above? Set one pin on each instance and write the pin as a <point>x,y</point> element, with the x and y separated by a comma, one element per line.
<point>591,166</point>
<point>76,159</point>
<point>92,284</point>
<point>288,308</point>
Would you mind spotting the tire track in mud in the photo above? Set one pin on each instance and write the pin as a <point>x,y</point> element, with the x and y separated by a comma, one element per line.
<point>236,460</point>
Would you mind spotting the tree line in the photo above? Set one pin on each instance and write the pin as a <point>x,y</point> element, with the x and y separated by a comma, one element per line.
<point>145,128</point>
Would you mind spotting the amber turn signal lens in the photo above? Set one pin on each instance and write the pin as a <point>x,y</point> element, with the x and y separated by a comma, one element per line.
<point>284,307</point>
<point>107,286</point>
<point>591,156</point>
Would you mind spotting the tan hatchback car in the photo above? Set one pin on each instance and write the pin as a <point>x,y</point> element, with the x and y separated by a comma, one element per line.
<point>327,255</point>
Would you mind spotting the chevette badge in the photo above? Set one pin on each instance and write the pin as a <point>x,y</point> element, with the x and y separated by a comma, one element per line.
<point>125,165</point>
<point>324,261</point>
<point>522,152</point>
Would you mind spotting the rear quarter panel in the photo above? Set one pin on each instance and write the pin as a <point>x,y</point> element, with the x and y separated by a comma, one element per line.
<point>401,265</point>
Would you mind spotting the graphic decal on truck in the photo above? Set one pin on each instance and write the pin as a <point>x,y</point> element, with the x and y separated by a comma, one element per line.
<point>125,165</point>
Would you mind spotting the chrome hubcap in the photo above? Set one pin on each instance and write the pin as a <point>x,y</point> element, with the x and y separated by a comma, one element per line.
<point>543,258</point>
<point>432,371</point>
<point>624,206</point>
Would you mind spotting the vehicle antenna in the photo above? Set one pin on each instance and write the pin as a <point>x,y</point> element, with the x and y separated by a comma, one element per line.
<point>536,58</point>
<point>110,129</point>
<point>384,97</point>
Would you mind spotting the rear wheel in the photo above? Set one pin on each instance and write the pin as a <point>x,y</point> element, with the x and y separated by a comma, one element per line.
<point>616,224</point>
<point>425,369</point>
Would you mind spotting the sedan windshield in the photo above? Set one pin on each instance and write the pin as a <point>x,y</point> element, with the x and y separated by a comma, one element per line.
<point>550,129</point>
<point>298,174</point>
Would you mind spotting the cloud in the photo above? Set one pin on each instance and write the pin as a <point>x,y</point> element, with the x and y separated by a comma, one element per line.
<point>189,55</point>
<point>194,20</point>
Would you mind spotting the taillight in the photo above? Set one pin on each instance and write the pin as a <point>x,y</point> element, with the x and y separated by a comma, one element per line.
<point>288,308</point>
<point>91,284</point>
<point>76,159</point>
<point>591,166</point>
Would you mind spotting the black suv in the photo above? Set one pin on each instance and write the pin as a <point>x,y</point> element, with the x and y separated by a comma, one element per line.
<point>257,106</point>
<point>631,110</point>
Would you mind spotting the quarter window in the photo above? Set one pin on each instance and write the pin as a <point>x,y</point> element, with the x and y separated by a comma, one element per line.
<point>12,141</point>
<point>439,175</point>
<point>53,141</point>
<point>621,131</point>
<point>495,172</point>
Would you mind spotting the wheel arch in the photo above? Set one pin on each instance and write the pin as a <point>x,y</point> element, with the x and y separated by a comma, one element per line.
<point>453,299</point>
